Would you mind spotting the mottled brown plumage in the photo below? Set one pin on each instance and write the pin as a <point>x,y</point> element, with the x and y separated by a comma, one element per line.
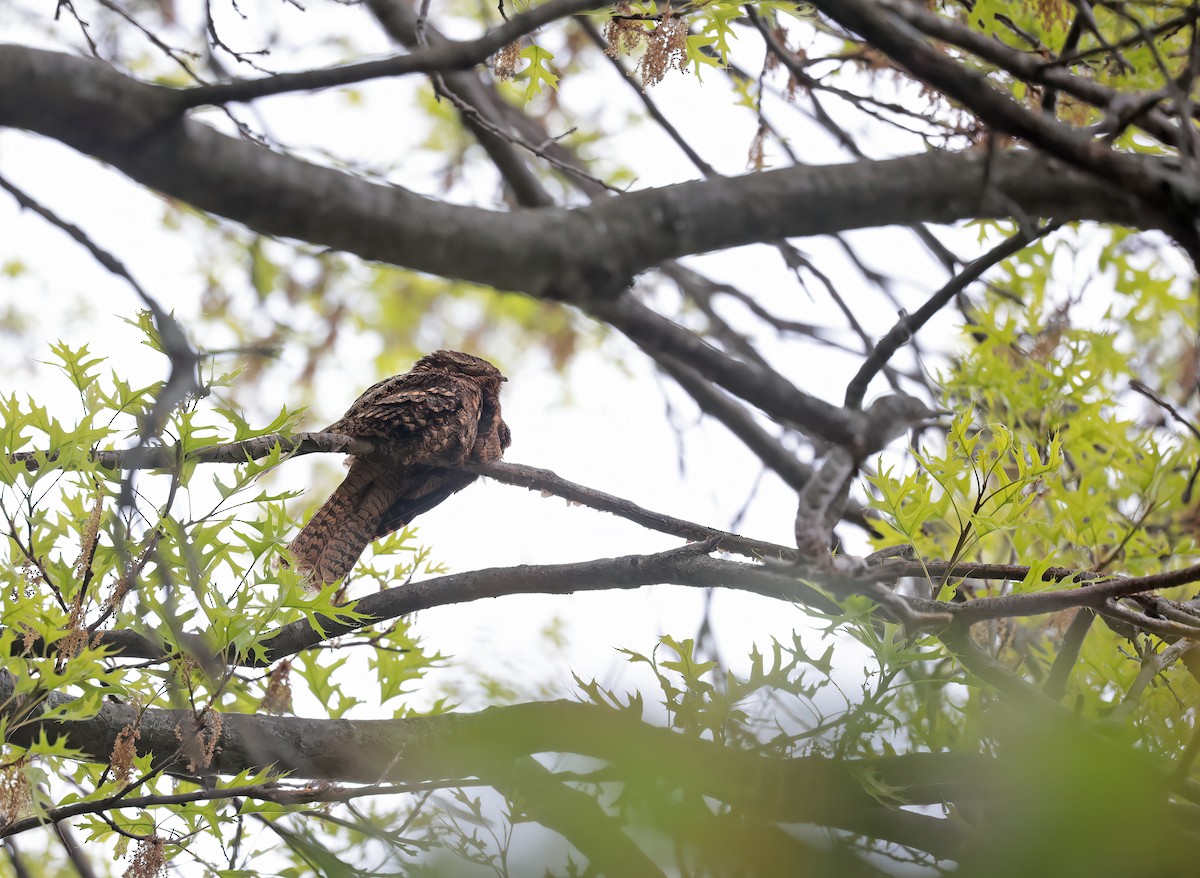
<point>445,411</point>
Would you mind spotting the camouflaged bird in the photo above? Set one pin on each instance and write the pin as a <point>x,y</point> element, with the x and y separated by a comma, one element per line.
<point>445,411</point>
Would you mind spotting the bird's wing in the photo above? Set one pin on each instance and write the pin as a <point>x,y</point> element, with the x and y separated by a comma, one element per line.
<point>424,488</point>
<point>430,416</point>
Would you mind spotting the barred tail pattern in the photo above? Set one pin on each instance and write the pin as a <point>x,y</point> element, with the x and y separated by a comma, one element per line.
<point>334,538</point>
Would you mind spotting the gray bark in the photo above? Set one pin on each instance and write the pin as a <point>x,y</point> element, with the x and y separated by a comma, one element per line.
<point>580,254</point>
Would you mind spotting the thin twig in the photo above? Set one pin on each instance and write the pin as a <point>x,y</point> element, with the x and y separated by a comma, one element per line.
<point>651,107</point>
<point>1145,391</point>
<point>444,57</point>
<point>548,482</point>
<point>909,324</point>
<point>1152,666</point>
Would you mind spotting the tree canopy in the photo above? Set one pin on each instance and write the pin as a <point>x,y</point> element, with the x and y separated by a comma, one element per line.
<point>951,317</point>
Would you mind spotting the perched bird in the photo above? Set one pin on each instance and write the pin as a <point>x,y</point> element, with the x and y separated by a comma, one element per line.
<point>445,411</point>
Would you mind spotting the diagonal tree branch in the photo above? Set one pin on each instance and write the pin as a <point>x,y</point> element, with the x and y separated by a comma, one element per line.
<point>544,480</point>
<point>883,27</point>
<point>491,116</point>
<point>667,342</point>
<point>740,422</point>
<point>1033,68</point>
<point>909,324</point>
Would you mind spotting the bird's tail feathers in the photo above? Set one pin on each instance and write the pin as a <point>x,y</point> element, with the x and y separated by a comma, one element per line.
<point>330,544</point>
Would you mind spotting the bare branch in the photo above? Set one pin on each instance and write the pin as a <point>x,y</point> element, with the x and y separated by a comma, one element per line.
<point>761,387</point>
<point>909,324</point>
<point>1068,653</point>
<point>740,422</point>
<point>690,566</point>
<point>443,56</point>
<point>543,480</point>
<point>1152,666</point>
<point>402,24</point>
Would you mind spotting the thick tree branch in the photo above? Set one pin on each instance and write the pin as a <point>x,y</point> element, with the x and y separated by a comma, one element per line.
<point>812,789</point>
<point>715,403</point>
<point>880,24</point>
<point>573,254</point>
<point>666,342</point>
<point>1069,649</point>
<point>689,566</point>
<point>683,566</point>
<point>1031,67</point>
